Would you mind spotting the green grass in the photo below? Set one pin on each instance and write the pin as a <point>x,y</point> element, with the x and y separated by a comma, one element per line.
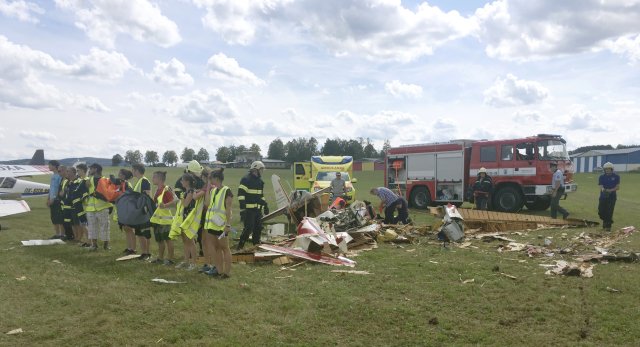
<point>90,299</point>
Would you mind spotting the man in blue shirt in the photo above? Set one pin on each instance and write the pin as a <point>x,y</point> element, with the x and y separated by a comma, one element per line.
<point>390,201</point>
<point>609,183</point>
<point>53,201</point>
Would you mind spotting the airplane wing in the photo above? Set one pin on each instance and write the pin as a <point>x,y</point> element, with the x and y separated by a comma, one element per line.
<point>23,170</point>
<point>9,207</point>
<point>282,199</point>
<point>291,207</point>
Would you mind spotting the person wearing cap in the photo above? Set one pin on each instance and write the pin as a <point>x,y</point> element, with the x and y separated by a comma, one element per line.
<point>252,204</point>
<point>482,189</point>
<point>609,183</point>
<point>338,187</point>
<point>557,190</point>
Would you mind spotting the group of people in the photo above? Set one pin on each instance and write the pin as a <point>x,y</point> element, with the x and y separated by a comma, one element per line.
<point>608,182</point>
<point>202,203</point>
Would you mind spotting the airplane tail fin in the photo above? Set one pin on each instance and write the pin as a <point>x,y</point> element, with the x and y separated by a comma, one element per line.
<point>282,199</point>
<point>38,158</point>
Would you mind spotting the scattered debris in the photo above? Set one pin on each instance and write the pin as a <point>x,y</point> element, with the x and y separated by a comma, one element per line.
<point>316,257</point>
<point>509,276</point>
<point>452,229</point>
<point>570,269</point>
<point>469,281</point>
<point>42,242</point>
<point>56,261</point>
<point>163,281</point>
<point>493,236</point>
<point>434,321</point>
<point>613,290</point>
<point>355,272</point>
<point>21,278</point>
<point>128,257</point>
<point>284,277</point>
<point>282,260</point>
<point>15,331</point>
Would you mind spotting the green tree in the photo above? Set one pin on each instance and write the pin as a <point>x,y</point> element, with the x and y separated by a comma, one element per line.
<point>331,147</point>
<point>369,150</point>
<point>224,154</point>
<point>116,160</point>
<point>202,155</point>
<point>133,157</point>
<point>187,154</point>
<point>151,157</point>
<point>385,148</point>
<point>170,158</point>
<point>354,149</point>
<point>276,150</point>
<point>255,148</point>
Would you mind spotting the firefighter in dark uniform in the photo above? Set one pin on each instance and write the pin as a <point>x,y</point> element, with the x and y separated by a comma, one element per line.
<point>482,189</point>
<point>609,183</point>
<point>252,204</point>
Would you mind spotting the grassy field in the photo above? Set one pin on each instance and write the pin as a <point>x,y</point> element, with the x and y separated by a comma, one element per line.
<point>414,297</point>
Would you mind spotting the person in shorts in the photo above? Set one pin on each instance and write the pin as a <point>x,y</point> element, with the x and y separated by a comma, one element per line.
<point>162,217</point>
<point>53,200</point>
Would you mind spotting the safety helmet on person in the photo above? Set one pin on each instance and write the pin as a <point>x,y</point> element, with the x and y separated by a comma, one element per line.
<point>607,165</point>
<point>482,170</point>
<point>194,167</point>
<point>256,165</point>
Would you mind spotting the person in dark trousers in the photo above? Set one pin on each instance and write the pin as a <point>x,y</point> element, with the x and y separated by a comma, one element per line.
<point>391,202</point>
<point>252,204</point>
<point>609,183</point>
<point>557,190</point>
<point>482,189</point>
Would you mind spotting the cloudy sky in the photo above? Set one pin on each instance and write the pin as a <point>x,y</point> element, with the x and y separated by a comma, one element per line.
<point>99,77</point>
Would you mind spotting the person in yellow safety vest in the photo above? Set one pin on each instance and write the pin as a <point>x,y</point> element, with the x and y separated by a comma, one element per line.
<point>124,176</point>
<point>252,204</point>
<point>98,210</point>
<point>66,209</point>
<point>83,184</point>
<point>143,232</point>
<point>187,220</point>
<point>163,217</point>
<point>219,200</point>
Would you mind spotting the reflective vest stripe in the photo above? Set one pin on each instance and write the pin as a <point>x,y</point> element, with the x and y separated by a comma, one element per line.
<point>252,206</point>
<point>216,208</point>
<point>162,216</point>
<point>177,220</point>
<point>138,186</point>
<point>250,191</point>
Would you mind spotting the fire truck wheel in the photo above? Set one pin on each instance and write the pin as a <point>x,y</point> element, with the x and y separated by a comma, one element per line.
<point>508,199</point>
<point>420,197</point>
<point>538,205</point>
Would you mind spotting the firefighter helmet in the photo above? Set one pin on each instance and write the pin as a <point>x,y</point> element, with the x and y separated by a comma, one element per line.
<point>607,165</point>
<point>194,167</point>
<point>256,165</point>
<point>482,170</point>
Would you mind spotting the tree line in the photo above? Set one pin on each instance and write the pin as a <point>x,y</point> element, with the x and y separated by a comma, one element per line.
<point>298,149</point>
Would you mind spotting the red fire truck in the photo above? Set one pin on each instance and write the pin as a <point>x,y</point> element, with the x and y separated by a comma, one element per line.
<point>438,173</point>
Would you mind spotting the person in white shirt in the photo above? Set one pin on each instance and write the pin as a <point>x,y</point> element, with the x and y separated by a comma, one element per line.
<point>557,190</point>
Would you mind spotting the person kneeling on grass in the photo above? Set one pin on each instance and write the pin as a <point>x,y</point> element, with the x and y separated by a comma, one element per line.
<point>162,217</point>
<point>186,221</point>
<point>219,200</point>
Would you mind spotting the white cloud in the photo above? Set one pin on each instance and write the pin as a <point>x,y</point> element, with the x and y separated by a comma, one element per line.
<point>399,89</point>
<point>38,135</point>
<point>101,65</point>
<point>201,106</point>
<point>581,119</point>
<point>627,46</point>
<point>21,86</point>
<point>22,10</point>
<point>172,73</point>
<point>527,115</point>
<point>376,29</point>
<point>511,91</point>
<point>524,30</point>
<point>104,20</point>
<point>223,67</point>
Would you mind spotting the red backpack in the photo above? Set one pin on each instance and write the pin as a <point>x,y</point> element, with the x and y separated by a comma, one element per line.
<point>109,191</point>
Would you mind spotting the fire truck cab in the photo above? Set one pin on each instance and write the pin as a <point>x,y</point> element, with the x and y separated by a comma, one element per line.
<point>439,173</point>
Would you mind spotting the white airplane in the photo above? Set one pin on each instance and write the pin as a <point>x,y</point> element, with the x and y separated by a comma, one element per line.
<point>11,207</point>
<point>10,184</point>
